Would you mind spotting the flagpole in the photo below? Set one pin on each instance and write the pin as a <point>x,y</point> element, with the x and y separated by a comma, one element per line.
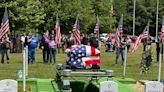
<point>124,71</point>
<point>148,27</point>
<point>160,54</point>
<point>98,32</point>
<point>24,70</point>
<point>134,10</point>
<point>157,20</point>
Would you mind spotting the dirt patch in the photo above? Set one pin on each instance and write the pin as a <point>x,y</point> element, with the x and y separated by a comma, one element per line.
<point>138,86</point>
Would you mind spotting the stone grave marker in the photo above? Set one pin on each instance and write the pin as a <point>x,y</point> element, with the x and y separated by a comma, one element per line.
<point>8,85</point>
<point>108,86</point>
<point>153,86</point>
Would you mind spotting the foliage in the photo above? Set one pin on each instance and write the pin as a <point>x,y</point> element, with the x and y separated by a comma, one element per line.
<point>28,15</point>
<point>146,61</point>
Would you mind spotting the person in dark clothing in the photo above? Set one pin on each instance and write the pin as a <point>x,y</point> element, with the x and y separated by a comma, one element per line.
<point>69,42</point>
<point>146,43</point>
<point>5,49</point>
<point>121,49</point>
<point>94,41</point>
<point>109,45</point>
<point>158,47</point>
<point>45,47</point>
<point>84,40</point>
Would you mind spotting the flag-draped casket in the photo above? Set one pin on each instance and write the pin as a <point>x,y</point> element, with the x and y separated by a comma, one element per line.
<point>81,56</point>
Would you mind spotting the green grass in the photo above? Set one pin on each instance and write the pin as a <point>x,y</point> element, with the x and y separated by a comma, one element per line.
<point>40,70</point>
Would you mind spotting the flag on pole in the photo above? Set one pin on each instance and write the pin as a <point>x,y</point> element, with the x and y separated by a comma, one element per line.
<point>118,31</point>
<point>58,34</point>
<point>96,29</point>
<point>4,25</point>
<point>76,32</point>
<point>144,35</point>
<point>162,30</point>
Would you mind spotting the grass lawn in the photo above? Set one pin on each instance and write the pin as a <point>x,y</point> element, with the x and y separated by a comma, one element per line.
<point>40,70</point>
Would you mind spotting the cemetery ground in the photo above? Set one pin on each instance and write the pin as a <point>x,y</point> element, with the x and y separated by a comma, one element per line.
<point>41,70</point>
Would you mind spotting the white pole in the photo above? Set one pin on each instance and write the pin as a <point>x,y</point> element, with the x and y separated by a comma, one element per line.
<point>159,63</point>
<point>134,10</point>
<point>124,71</point>
<point>157,21</point>
<point>26,60</point>
<point>24,69</point>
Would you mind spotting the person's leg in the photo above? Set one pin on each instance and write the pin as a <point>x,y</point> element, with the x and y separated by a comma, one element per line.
<point>51,55</point>
<point>8,55</point>
<point>157,49</point>
<point>54,55</point>
<point>123,55</point>
<point>63,48</point>
<point>117,55</point>
<point>58,49</point>
<point>29,55</point>
<point>162,53</point>
<point>2,56</point>
<point>33,51</point>
<point>44,54</point>
<point>48,54</point>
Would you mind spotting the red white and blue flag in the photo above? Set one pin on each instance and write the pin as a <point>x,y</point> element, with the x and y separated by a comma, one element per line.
<point>58,33</point>
<point>4,25</point>
<point>118,31</point>
<point>83,55</point>
<point>144,35</point>
<point>76,32</point>
<point>162,30</point>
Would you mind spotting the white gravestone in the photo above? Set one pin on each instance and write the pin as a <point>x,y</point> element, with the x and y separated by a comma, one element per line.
<point>154,86</point>
<point>108,86</point>
<point>8,85</point>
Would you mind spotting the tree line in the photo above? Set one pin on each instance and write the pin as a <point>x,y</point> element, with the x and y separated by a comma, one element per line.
<point>40,15</point>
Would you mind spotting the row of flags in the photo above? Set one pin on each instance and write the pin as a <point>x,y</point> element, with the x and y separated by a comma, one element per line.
<point>76,31</point>
<point>142,36</point>
<point>5,29</point>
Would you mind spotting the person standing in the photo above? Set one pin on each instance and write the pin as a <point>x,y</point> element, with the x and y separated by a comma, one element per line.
<point>158,47</point>
<point>5,49</point>
<point>52,45</point>
<point>33,44</point>
<point>69,42</point>
<point>84,40</point>
<point>45,47</point>
<point>63,43</point>
<point>121,49</point>
<point>94,41</point>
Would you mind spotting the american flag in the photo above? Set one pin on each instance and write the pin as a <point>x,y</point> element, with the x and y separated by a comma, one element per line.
<point>118,31</point>
<point>58,34</point>
<point>162,30</point>
<point>83,55</point>
<point>96,29</point>
<point>4,25</point>
<point>144,35</point>
<point>76,32</point>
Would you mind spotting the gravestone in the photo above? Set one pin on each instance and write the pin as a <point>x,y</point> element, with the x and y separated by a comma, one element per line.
<point>8,85</point>
<point>108,86</point>
<point>153,86</point>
